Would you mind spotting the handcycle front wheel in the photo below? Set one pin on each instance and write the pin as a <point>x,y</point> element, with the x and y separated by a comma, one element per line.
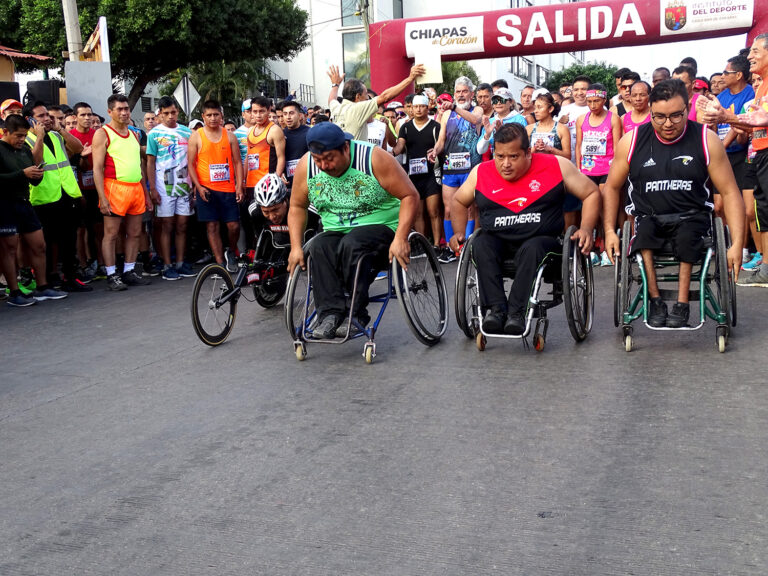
<point>269,296</point>
<point>214,304</point>
<point>421,291</point>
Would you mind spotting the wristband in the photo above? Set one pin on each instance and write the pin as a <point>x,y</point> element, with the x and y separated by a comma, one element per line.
<point>335,85</point>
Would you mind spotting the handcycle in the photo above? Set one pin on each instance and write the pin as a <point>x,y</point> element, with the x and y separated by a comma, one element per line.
<point>420,290</point>
<point>570,274</point>
<point>216,293</point>
<point>631,300</point>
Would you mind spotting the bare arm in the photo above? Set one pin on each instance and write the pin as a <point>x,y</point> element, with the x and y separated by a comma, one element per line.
<point>399,147</point>
<point>475,116</point>
<point>392,91</point>
<point>579,138</point>
<point>565,142</point>
<point>37,149</point>
<point>617,130</point>
<point>463,198</point>
<point>234,146</point>
<point>733,204</point>
<point>192,149</point>
<point>297,215</point>
<point>99,153</point>
<point>336,80</point>
<point>276,138</point>
<point>587,191</point>
<point>151,168</point>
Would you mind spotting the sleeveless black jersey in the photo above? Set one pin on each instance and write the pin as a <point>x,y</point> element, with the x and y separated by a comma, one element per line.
<point>295,148</point>
<point>530,206</point>
<point>417,144</point>
<point>669,177</point>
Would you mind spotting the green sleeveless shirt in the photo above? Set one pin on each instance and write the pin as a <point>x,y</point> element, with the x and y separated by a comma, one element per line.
<point>353,199</point>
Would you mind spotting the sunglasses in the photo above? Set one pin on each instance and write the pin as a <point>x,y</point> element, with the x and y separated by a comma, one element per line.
<point>498,100</point>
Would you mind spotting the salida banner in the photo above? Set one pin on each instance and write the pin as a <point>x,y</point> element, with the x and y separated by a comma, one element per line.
<point>556,28</point>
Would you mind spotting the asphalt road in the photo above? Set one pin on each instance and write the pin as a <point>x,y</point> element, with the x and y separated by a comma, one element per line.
<point>129,447</point>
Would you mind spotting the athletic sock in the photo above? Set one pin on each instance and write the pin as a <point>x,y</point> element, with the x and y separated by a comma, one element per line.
<point>470,228</point>
<point>448,229</point>
<point>110,270</point>
<point>128,267</point>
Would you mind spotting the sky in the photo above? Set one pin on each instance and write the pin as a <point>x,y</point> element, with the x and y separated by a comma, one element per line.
<point>711,55</point>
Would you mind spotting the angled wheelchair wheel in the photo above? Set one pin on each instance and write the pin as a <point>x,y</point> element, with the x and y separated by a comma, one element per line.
<point>617,312</point>
<point>298,302</point>
<point>731,280</point>
<point>213,314</point>
<point>578,295</point>
<point>421,291</point>
<point>625,274</point>
<point>467,295</point>
<point>723,276</point>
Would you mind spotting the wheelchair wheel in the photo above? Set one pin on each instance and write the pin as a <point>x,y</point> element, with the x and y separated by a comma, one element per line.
<point>270,296</point>
<point>617,312</point>
<point>298,299</point>
<point>723,276</point>
<point>421,291</point>
<point>625,275</point>
<point>578,295</point>
<point>731,280</point>
<point>212,319</point>
<point>466,295</point>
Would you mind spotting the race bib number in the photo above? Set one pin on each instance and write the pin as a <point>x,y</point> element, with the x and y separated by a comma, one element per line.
<point>722,131</point>
<point>417,166</point>
<point>594,145</point>
<point>219,172</point>
<point>292,167</point>
<point>759,133</point>
<point>544,139</point>
<point>458,161</point>
<point>253,161</point>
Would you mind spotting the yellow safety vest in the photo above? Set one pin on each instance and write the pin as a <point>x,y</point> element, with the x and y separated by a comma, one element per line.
<point>57,172</point>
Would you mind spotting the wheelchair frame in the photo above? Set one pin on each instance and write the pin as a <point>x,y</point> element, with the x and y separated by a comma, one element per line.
<point>301,319</point>
<point>576,269</point>
<point>718,304</point>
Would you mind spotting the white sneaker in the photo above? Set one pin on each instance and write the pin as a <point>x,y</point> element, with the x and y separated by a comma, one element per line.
<point>604,260</point>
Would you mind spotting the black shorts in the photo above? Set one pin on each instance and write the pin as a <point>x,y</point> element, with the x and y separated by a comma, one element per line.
<point>738,162</point>
<point>92,214</point>
<point>761,190</point>
<point>750,177</point>
<point>426,185</point>
<point>688,235</point>
<point>599,179</point>
<point>17,217</point>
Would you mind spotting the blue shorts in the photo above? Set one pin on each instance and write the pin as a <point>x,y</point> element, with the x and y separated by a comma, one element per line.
<point>220,207</point>
<point>455,180</point>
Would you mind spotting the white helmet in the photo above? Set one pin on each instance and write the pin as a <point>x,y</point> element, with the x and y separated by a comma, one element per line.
<point>270,190</point>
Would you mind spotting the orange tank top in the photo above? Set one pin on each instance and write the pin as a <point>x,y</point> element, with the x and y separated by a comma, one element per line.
<point>261,157</point>
<point>215,169</point>
<point>760,135</point>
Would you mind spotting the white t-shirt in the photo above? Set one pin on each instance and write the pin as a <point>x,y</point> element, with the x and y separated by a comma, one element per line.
<point>377,132</point>
<point>574,111</point>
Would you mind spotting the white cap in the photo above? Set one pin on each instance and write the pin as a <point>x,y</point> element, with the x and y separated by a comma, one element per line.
<point>420,100</point>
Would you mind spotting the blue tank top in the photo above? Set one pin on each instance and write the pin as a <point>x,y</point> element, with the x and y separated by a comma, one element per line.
<point>460,146</point>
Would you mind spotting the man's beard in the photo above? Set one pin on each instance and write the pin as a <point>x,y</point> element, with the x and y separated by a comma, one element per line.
<point>463,105</point>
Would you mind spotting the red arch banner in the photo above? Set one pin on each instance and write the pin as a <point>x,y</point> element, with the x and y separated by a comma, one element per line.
<point>557,28</point>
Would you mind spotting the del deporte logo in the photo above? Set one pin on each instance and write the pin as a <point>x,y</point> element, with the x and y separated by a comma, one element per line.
<point>689,16</point>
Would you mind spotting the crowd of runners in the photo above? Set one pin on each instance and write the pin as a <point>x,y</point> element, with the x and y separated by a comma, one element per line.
<point>87,201</point>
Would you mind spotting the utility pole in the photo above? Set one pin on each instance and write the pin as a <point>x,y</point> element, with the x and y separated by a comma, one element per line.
<point>72,28</point>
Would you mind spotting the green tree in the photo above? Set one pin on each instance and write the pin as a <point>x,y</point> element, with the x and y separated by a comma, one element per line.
<point>149,40</point>
<point>597,71</point>
<point>454,70</point>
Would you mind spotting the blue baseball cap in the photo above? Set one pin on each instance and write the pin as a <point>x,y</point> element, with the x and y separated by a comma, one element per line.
<point>326,136</point>
<point>246,105</point>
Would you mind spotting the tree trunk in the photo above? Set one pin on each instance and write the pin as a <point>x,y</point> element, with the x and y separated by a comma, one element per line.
<point>139,84</point>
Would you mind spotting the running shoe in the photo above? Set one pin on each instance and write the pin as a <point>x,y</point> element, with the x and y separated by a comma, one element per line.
<point>115,283</point>
<point>170,273</point>
<point>231,259</point>
<point>204,259</point>
<point>381,275</point>
<point>493,321</point>
<point>515,324</point>
<point>755,279</point>
<point>48,294</point>
<point>21,300</point>
<point>756,260</point>
<point>594,259</point>
<point>341,331</point>
<point>85,274</point>
<point>75,285</point>
<point>326,328</point>
<point>101,273</point>
<point>446,255</point>
<point>149,269</point>
<point>678,318</point>
<point>132,279</point>
<point>26,281</point>
<point>657,314</point>
<point>604,260</point>
<point>186,271</point>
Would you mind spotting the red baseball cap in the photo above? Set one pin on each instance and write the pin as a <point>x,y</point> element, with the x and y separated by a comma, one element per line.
<point>10,103</point>
<point>445,96</point>
<point>701,85</point>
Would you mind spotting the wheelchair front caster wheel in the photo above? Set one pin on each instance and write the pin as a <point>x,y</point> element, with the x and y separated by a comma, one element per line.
<point>480,340</point>
<point>301,352</point>
<point>538,342</point>
<point>722,338</point>
<point>540,335</point>
<point>628,342</point>
<point>369,353</point>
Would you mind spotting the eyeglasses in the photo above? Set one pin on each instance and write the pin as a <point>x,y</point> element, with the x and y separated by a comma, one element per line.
<point>726,72</point>
<point>675,118</point>
<point>498,100</point>
<point>625,86</point>
<point>401,114</point>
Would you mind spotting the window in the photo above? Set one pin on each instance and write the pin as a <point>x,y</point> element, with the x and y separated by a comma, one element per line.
<point>520,3</point>
<point>356,56</point>
<point>542,75</point>
<point>397,9</point>
<point>523,68</point>
<point>351,11</point>
<point>146,104</point>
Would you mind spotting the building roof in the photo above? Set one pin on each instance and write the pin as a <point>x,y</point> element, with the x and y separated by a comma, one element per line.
<point>17,55</point>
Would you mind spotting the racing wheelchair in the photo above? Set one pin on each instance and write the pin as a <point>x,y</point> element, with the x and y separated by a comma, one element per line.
<point>716,295</point>
<point>570,274</point>
<point>263,275</point>
<point>420,290</point>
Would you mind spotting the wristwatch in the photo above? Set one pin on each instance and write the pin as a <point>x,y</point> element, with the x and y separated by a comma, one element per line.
<point>335,85</point>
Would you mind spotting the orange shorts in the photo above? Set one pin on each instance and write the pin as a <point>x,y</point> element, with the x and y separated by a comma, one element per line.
<point>124,197</point>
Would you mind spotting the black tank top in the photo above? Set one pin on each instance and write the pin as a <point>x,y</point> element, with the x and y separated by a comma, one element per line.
<point>295,148</point>
<point>669,177</point>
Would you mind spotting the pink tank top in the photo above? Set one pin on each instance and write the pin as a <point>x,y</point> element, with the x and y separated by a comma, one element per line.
<point>692,111</point>
<point>596,146</point>
<point>629,125</point>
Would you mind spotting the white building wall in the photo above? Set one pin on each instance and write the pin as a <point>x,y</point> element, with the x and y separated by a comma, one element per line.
<point>326,43</point>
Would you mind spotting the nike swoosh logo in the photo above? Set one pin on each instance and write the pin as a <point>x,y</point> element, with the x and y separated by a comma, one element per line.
<point>499,190</point>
